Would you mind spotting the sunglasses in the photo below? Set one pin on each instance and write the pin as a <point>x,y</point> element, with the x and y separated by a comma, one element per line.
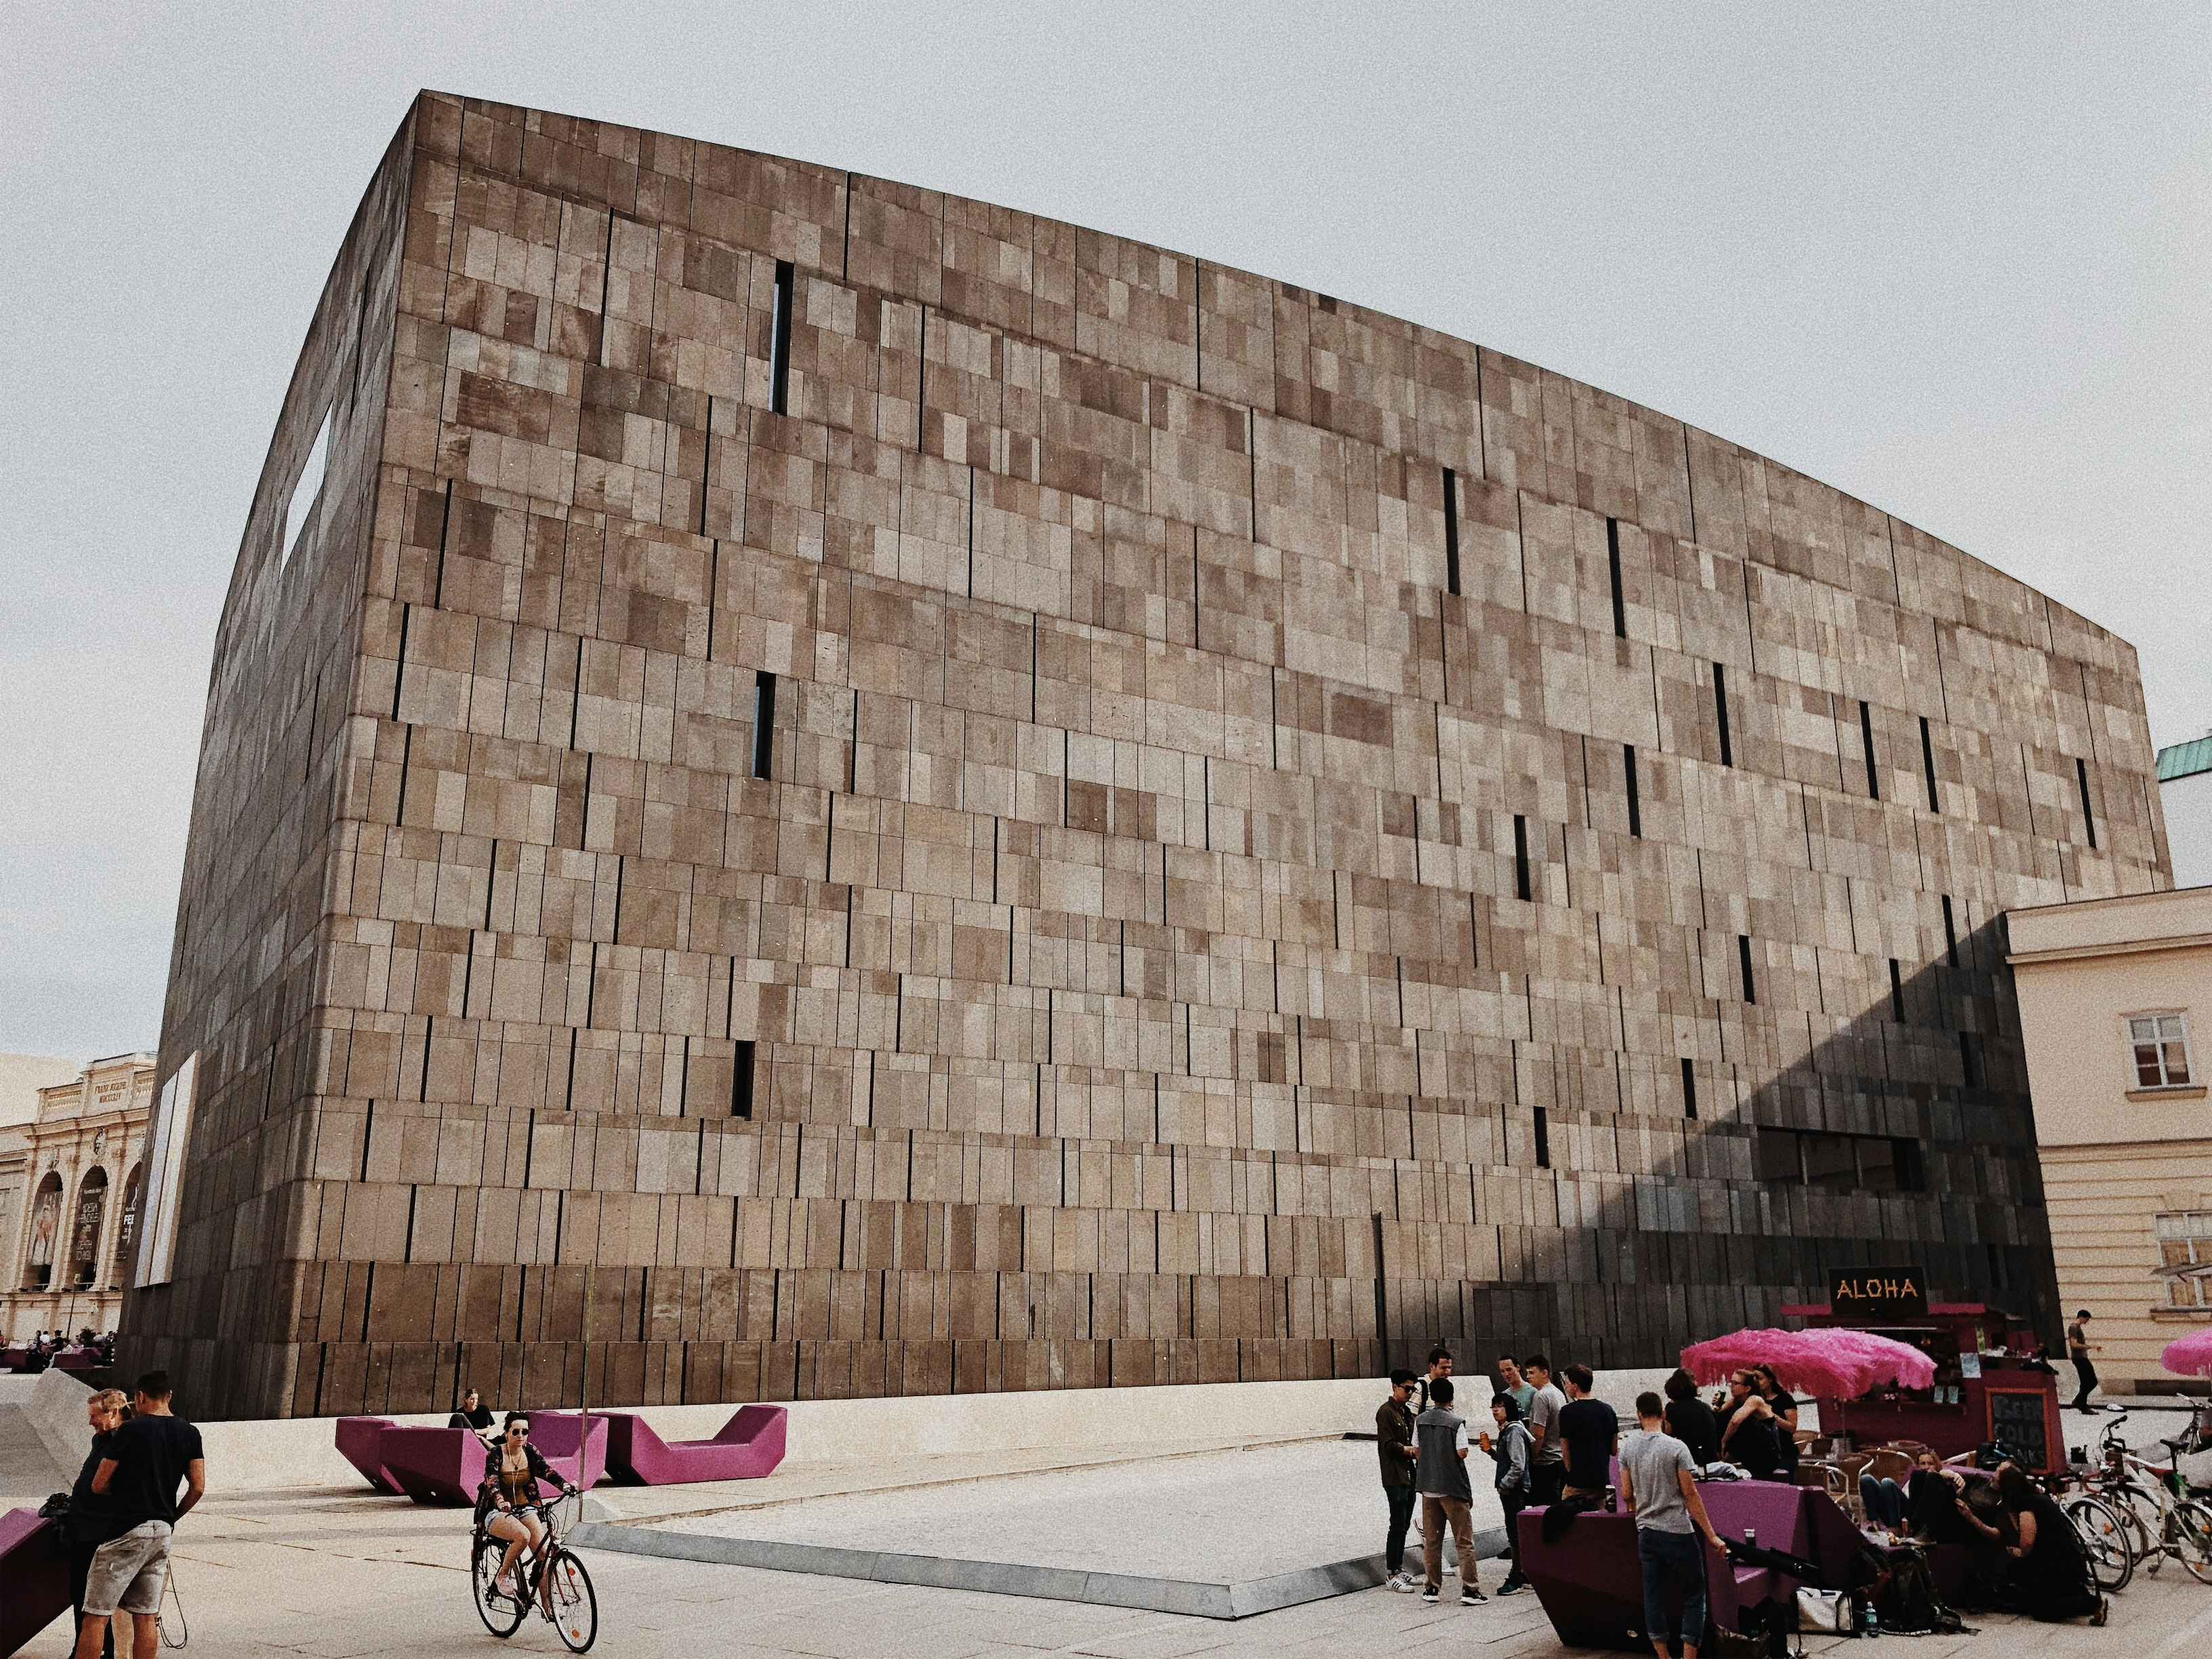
<point>519,1431</point>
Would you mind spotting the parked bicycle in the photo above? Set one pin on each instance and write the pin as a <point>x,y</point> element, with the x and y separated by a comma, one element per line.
<point>550,1578</point>
<point>2099,1524</point>
<point>2157,1514</point>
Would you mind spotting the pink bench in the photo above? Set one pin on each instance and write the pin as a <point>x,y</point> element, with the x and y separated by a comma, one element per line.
<point>34,1585</point>
<point>747,1446</point>
<point>360,1440</point>
<point>446,1466</point>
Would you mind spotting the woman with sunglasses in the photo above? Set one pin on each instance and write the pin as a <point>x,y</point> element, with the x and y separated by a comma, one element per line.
<point>513,1469</point>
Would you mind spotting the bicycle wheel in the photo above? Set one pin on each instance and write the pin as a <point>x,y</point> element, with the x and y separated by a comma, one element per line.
<point>501,1615</point>
<point>2139,1511</point>
<point>2192,1540</point>
<point>2104,1541</point>
<point>575,1608</point>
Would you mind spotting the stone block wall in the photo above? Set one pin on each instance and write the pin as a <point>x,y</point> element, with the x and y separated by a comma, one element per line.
<point>1251,874</point>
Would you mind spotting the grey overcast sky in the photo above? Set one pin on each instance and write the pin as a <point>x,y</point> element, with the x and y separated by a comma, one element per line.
<point>1953,259</point>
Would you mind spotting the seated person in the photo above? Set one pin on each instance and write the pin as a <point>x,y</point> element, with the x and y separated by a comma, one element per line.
<point>474,1415</point>
<point>1750,1434</point>
<point>2049,1573</point>
<point>1926,1507</point>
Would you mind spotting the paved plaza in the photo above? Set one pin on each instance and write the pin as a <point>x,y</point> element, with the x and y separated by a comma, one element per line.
<point>340,1575</point>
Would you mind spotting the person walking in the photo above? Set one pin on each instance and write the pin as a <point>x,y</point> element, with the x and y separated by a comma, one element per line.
<point>147,1459</point>
<point>1658,1483</point>
<point>84,1527</point>
<point>1690,1420</point>
<point>2078,1349</point>
<point>1589,1430</point>
<point>1550,1474</point>
<point>1512,1454</point>
<point>1447,1498</point>
<point>1394,1444</point>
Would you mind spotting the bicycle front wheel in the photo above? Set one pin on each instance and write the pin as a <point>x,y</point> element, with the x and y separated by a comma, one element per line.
<point>2104,1541</point>
<point>571,1603</point>
<point>2192,1540</point>
<point>501,1615</point>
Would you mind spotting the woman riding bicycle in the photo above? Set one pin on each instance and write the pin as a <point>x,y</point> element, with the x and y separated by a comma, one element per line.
<point>511,1498</point>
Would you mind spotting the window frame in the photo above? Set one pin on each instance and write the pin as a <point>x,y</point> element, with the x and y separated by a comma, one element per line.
<point>2158,1046</point>
<point>2191,1231</point>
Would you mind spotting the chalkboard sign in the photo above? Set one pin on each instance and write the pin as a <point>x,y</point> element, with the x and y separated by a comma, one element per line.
<point>2016,1424</point>
<point>1877,1293</point>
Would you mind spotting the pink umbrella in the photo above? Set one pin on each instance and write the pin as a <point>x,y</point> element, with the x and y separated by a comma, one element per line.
<point>1841,1364</point>
<point>2189,1355</point>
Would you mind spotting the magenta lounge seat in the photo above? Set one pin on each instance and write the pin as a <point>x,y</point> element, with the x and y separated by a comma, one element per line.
<point>446,1466</point>
<point>749,1445</point>
<point>360,1440</point>
<point>34,1588</point>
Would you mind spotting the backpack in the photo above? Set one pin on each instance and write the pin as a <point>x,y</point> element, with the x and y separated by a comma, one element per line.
<point>1906,1600</point>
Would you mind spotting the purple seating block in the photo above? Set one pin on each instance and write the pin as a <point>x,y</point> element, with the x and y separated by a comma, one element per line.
<point>747,1446</point>
<point>1590,1582</point>
<point>34,1589</point>
<point>359,1442</point>
<point>446,1466</point>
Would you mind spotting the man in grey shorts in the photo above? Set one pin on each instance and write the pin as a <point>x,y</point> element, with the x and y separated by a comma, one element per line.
<point>147,1459</point>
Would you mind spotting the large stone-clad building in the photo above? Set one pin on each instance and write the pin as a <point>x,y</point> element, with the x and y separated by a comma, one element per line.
<point>909,797</point>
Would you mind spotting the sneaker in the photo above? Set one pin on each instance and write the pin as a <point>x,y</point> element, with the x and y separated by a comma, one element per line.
<point>1513,1586</point>
<point>1432,1593</point>
<point>2104,1611</point>
<point>504,1584</point>
<point>1402,1580</point>
<point>1470,1596</point>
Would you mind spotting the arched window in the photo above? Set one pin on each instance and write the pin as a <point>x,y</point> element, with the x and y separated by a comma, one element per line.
<point>84,1234</point>
<point>126,1230</point>
<point>45,1228</point>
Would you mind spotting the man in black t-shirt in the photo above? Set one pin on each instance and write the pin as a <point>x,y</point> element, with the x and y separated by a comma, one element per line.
<point>147,1459</point>
<point>1590,1432</point>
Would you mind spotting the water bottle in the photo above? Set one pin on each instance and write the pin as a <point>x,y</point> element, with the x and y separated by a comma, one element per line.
<point>1870,1621</point>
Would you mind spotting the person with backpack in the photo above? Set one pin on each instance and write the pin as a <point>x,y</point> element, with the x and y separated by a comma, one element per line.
<point>1658,1483</point>
<point>1446,1498</point>
<point>1513,1453</point>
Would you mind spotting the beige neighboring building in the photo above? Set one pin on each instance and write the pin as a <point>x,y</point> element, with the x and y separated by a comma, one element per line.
<point>2114,997</point>
<point>74,1218</point>
<point>21,1076</point>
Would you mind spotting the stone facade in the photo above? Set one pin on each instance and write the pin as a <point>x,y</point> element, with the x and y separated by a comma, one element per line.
<point>1280,836</point>
<point>84,1176</point>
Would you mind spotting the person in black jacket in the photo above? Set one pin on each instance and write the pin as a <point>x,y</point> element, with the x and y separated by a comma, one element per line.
<point>1690,1420</point>
<point>84,1528</point>
<point>473,1414</point>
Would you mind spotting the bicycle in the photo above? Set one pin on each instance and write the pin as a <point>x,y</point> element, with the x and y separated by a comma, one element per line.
<point>550,1578</point>
<point>2159,1516</point>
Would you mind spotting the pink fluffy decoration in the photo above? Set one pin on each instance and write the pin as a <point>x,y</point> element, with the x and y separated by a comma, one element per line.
<point>1840,1364</point>
<point>2189,1355</point>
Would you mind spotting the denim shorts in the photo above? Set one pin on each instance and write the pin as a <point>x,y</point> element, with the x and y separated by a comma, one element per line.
<point>127,1573</point>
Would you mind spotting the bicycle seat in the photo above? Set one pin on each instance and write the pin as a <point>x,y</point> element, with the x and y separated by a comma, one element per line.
<point>2175,1448</point>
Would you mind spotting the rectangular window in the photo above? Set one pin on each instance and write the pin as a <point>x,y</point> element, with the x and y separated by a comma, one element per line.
<point>1950,933</point>
<point>1966,1068</point>
<point>741,1080</point>
<point>2159,1044</point>
<point>764,724</point>
<point>1613,562</point>
<point>1543,1139</point>
<point>1634,803</point>
<point>1912,1172</point>
<point>1689,1088</point>
<point>1521,856</point>
<point>2088,818</point>
<point>1743,962</point>
<point>1831,1161</point>
<point>1720,708</point>
<point>1896,993</point>
<point>778,349</point>
<point>1451,531</point>
<point>2184,1251</point>
<point>307,489</point>
<point>165,1171</point>
<point>1928,760</point>
<point>1774,1152</point>
<point>1866,737</point>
